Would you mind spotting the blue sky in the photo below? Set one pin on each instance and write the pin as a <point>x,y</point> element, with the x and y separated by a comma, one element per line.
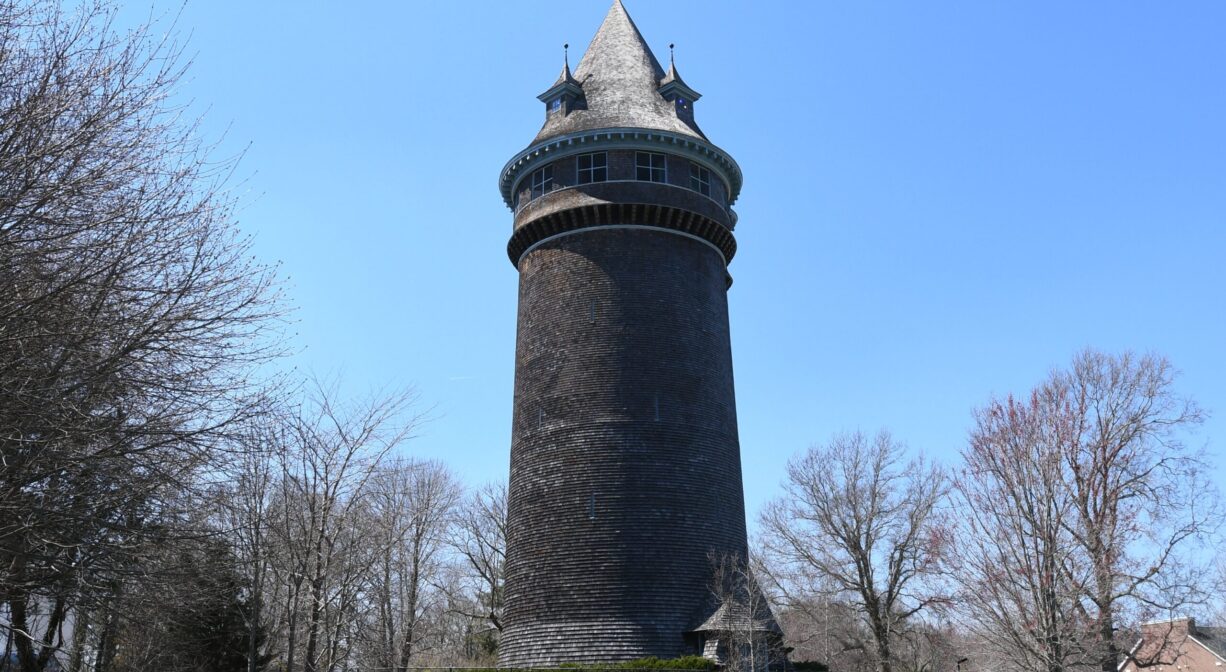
<point>942,201</point>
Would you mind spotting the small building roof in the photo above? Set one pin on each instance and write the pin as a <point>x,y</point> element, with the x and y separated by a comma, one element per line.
<point>1213,639</point>
<point>1166,641</point>
<point>733,615</point>
<point>620,78</point>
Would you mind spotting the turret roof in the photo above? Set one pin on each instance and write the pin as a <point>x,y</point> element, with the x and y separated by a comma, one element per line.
<point>672,77</point>
<point>672,84</point>
<point>565,77</point>
<point>566,84</point>
<point>620,79</point>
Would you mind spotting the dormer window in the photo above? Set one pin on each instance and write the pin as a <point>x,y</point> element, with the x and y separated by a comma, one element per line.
<point>542,181</point>
<point>700,179</point>
<point>649,167</point>
<point>681,96</point>
<point>560,99</point>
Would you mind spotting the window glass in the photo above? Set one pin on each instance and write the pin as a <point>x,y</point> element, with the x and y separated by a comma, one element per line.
<point>593,167</point>
<point>649,167</point>
<point>700,179</point>
<point>555,105</point>
<point>542,181</point>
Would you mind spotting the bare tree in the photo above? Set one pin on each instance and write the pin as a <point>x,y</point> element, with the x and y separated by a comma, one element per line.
<point>480,538</point>
<point>930,646</point>
<point>1086,512</point>
<point>132,316</point>
<point>1139,497</point>
<point>1016,561</point>
<point>413,506</point>
<point>856,520</point>
<point>325,479</point>
<point>826,630</point>
<point>1217,604</point>
<point>248,514</point>
<point>195,622</point>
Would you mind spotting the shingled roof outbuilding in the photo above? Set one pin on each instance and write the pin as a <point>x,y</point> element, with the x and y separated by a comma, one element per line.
<point>621,80</point>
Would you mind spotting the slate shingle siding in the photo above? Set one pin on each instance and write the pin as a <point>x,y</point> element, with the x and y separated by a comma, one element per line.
<point>625,463</point>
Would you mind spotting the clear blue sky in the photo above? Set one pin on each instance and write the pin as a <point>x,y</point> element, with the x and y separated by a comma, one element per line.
<point>942,201</point>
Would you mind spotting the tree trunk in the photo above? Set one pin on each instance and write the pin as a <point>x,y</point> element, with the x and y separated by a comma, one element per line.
<point>254,610</point>
<point>1106,633</point>
<point>292,604</point>
<point>80,626</point>
<point>106,641</point>
<point>883,649</point>
<point>410,624</point>
<point>317,609</point>
<point>20,631</point>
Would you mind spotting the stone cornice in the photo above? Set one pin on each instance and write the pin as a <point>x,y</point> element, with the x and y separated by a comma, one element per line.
<point>705,153</point>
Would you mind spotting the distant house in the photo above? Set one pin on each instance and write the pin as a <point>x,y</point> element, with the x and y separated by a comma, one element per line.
<point>1177,645</point>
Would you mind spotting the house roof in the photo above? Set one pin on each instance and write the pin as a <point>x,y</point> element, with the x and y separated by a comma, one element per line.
<point>621,78</point>
<point>1157,636</point>
<point>1213,639</point>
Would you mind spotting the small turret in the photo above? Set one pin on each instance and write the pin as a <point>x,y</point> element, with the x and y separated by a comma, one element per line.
<point>676,91</point>
<point>565,93</point>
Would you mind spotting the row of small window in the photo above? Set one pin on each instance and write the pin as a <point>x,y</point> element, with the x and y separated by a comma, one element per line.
<point>648,167</point>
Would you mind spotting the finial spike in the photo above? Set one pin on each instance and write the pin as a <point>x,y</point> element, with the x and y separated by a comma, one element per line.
<point>566,55</point>
<point>670,54</point>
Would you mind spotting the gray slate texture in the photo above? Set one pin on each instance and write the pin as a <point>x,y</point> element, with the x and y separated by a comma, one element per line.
<point>621,80</point>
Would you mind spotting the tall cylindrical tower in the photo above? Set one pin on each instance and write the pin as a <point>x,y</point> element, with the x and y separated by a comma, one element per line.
<point>625,463</point>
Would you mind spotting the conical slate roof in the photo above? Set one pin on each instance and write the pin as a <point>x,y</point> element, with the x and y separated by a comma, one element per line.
<point>620,79</point>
